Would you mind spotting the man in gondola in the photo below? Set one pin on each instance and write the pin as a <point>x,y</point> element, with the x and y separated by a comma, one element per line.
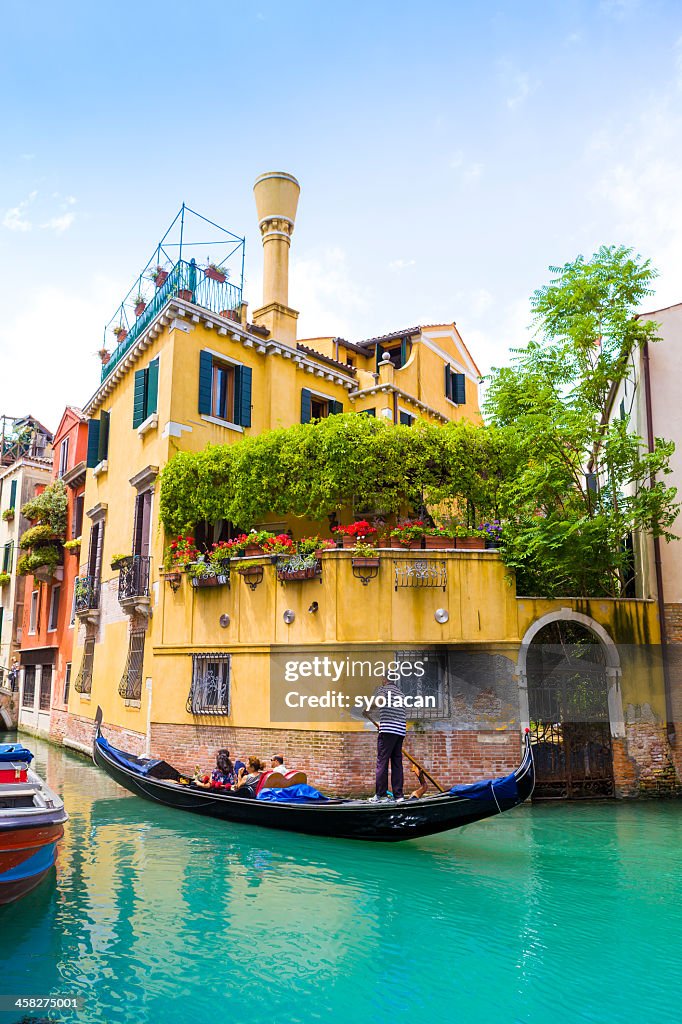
<point>388,701</point>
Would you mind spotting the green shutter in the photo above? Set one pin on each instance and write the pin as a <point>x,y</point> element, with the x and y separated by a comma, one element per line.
<point>378,356</point>
<point>139,397</point>
<point>406,419</point>
<point>334,407</point>
<point>205,383</point>
<point>103,446</point>
<point>460,396</point>
<point>152,387</point>
<point>13,494</point>
<point>305,405</point>
<point>7,556</point>
<point>93,443</point>
<point>403,351</point>
<point>368,412</point>
<point>242,395</point>
<point>448,382</point>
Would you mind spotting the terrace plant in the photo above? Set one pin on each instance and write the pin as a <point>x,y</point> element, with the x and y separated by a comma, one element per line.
<point>49,508</point>
<point>5,577</point>
<point>179,553</point>
<point>8,514</point>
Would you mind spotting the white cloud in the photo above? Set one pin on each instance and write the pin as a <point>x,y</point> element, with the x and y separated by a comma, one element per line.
<point>59,224</point>
<point>516,84</point>
<point>331,302</point>
<point>15,218</point>
<point>469,170</point>
<point>401,264</point>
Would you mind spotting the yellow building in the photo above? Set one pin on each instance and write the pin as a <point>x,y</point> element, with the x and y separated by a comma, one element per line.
<point>196,370</point>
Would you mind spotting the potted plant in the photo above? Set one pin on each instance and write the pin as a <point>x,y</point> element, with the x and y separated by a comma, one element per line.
<point>158,276</point>
<point>439,538</point>
<point>230,314</point>
<point>185,293</point>
<point>323,545</point>
<point>250,568</point>
<point>216,273</point>
<point>73,546</point>
<point>5,577</point>
<point>8,514</point>
<point>409,534</point>
<point>201,574</point>
<point>493,534</point>
<point>298,567</point>
<point>355,532</point>
<point>180,553</point>
<point>365,556</point>
<point>104,355</point>
<point>120,333</point>
<point>468,538</point>
<point>140,305</point>
<point>255,541</point>
<point>281,544</point>
<point>119,561</point>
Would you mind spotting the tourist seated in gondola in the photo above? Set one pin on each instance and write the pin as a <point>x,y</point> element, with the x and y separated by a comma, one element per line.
<point>277,764</point>
<point>247,780</point>
<point>223,775</point>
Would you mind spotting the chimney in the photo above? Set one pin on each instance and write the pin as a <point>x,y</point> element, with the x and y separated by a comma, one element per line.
<point>276,200</point>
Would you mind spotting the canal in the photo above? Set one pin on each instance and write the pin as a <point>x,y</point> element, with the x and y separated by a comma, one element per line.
<point>568,913</point>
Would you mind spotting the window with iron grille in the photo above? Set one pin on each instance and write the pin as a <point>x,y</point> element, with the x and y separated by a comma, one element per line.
<point>432,683</point>
<point>83,682</point>
<point>67,683</point>
<point>28,696</point>
<point>210,690</point>
<point>130,686</point>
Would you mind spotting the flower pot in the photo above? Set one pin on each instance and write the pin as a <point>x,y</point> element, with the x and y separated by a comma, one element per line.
<point>250,570</point>
<point>160,278</point>
<point>439,543</point>
<point>365,562</point>
<point>121,337</point>
<point>407,544</point>
<point>215,275</point>
<point>173,579</point>
<point>205,581</point>
<point>230,314</point>
<point>348,541</point>
<point>140,308</point>
<point>470,544</point>
<point>253,550</point>
<point>185,293</point>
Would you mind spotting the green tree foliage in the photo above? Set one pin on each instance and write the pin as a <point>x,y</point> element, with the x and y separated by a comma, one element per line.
<point>49,508</point>
<point>573,484</point>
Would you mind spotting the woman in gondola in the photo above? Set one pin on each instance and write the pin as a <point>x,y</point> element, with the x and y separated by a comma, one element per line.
<point>223,775</point>
<point>247,781</point>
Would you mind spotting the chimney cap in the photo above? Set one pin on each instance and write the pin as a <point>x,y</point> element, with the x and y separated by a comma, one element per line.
<point>276,174</point>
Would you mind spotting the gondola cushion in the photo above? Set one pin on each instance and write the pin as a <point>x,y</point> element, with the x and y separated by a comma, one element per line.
<point>504,789</point>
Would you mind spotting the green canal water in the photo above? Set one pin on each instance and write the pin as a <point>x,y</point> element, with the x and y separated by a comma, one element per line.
<point>561,913</point>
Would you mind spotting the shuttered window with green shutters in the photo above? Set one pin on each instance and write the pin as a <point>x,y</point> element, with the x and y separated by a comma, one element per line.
<point>306,398</point>
<point>146,394</point>
<point>225,390</point>
<point>13,494</point>
<point>93,443</point>
<point>205,383</point>
<point>455,386</point>
<point>242,395</point>
<point>103,446</point>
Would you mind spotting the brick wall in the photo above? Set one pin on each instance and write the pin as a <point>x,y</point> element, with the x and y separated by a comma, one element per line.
<point>643,764</point>
<point>673,622</point>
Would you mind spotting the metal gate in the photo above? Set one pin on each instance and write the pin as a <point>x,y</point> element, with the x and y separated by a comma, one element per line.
<point>569,720</point>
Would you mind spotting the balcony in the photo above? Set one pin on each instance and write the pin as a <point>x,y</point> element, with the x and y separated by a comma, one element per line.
<point>170,275</point>
<point>133,585</point>
<point>87,593</point>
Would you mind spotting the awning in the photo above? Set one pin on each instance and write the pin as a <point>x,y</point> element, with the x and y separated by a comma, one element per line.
<point>38,656</point>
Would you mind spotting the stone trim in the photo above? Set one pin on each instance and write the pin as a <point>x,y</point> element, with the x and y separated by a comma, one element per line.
<point>144,480</point>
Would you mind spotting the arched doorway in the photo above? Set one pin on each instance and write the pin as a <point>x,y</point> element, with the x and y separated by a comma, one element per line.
<point>569,668</point>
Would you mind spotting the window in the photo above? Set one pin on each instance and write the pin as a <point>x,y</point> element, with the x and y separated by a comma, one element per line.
<point>406,418</point>
<point>63,457</point>
<point>54,609</point>
<point>95,550</point>
<point>28,696</point>
<point>67,683</point>
<point>45,698</point>
<point>210,690</point>
<point>432,684</point>
<point>13,495</point>
<point>72,620</point>
<point>83,682</point>
<point>98,440</point>
<point>142,523</point>
<point>367,412</point>
<point>33,617</point>
<point>146,394</point>
<point>224,390</point>
<point>130,686</point>
<point>77,522</point>
<point>397,351</point>
<point>7,553</point>
<point>455,386</point>
<point>317,407</point>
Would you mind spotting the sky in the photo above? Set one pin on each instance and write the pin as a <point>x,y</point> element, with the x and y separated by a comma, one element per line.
<point>449,153</point>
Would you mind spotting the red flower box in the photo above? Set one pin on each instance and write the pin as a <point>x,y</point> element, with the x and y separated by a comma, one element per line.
<point>439,543</point>
<point>470,544</point>
<point>215,275</point>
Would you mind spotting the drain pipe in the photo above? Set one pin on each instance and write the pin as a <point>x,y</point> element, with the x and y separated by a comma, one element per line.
<point>658,567</point>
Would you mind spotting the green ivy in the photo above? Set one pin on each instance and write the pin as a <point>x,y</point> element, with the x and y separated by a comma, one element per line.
<point>49,508</point>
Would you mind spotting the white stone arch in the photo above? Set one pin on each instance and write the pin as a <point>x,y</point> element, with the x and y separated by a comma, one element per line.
<point>613,666</point>
<point>6,718</point>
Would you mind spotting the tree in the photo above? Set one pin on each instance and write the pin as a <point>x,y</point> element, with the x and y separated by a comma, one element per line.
<point>575,485</point>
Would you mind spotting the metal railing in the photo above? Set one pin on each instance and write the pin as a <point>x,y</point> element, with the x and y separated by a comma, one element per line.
<point>86,589</point>
<point>133,577</point>
<point>185,281</point>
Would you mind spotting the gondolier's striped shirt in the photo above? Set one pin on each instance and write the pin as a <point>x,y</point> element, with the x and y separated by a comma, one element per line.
<point>392,717</point>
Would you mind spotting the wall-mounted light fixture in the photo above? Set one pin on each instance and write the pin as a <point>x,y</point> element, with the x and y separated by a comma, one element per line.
<point>289,616</point>
<point>313,608</point>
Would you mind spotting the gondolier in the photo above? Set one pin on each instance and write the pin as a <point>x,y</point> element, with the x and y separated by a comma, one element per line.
<point>388,701</point>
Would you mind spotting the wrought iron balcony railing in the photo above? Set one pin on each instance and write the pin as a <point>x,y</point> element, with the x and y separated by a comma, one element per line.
<point>86,589</point>
<point>185,281</point>
<point>133,578</point>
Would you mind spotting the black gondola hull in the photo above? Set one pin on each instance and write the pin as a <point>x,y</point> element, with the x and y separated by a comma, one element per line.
<point>341,819</point>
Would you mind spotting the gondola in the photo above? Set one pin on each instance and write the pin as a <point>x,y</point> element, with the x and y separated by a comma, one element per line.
<point>337,818</point>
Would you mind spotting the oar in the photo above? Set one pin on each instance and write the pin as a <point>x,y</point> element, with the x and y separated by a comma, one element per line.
<point>412,759</point>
